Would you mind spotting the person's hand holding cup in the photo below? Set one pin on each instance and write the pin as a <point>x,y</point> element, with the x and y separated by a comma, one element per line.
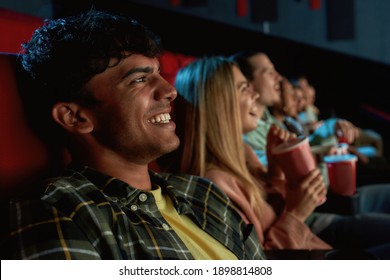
<point>297,161</point>
<point>276,136</point>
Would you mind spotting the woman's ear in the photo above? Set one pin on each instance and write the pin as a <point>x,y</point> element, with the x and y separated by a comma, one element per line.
<point>72,117</point>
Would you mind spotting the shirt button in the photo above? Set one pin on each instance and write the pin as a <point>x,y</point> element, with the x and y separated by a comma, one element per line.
<point>165,226</point>
<point>134,207</point>
<point>123,201</point>
<point>143,197</point>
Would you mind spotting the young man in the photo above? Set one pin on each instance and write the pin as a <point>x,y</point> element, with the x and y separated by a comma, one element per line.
<point>104,89</point>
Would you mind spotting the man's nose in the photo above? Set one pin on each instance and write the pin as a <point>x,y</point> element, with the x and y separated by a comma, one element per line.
<point>165,90</point>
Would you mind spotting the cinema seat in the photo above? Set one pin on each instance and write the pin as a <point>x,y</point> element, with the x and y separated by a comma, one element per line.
<point>16,28</point>
<point>24,158</point>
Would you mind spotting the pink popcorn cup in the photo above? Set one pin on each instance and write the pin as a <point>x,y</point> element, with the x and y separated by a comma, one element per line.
<point>295,158</point>
<point>342,173</point>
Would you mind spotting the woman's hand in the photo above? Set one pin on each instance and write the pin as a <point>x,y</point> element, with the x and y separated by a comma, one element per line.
<point>301,200</point>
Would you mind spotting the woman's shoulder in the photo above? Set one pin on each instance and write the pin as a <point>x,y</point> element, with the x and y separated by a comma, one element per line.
<point>219,174</point>
<point>225,180</point>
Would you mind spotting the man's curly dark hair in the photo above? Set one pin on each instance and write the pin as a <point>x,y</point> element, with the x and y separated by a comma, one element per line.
<point>66,53</point>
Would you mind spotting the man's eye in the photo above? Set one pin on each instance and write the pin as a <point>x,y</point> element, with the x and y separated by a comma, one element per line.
<point>139,80</point>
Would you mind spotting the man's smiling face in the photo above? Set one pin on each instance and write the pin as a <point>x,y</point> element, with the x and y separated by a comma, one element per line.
<point>133,114</point>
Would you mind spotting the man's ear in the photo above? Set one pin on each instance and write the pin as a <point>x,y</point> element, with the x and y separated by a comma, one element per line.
<point>72,117</point>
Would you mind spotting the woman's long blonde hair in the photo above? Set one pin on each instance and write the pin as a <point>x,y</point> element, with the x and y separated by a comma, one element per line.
<point>209,123</point>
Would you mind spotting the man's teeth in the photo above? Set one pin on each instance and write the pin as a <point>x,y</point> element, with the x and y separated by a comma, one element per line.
<point>162,118</point>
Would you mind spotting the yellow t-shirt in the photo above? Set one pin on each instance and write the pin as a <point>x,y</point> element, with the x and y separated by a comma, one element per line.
<point>201,245</point>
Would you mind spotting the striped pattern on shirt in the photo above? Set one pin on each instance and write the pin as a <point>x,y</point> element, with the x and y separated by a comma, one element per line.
<point>85,214</point>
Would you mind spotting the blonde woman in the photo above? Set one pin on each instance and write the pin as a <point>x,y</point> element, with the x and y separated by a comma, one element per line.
<point>218,107</point>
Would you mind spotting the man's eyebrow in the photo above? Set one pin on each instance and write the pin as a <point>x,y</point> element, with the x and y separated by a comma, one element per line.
<point>147,69</point>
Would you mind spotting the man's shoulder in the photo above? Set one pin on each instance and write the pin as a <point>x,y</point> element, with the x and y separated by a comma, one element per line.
<point>70,184</point>
<point>186,180</point>
<point>50,190</point>
<point>195,187</point>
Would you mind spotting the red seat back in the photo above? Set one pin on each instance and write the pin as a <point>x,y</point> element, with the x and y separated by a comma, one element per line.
<point>16,28</point>
<point>23,156</point>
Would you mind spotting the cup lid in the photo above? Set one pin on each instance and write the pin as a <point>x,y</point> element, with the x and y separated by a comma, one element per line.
<point>337,158</point>
<point>287,146</point>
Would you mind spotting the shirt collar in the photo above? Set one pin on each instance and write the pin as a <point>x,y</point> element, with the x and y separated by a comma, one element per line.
<point>117,188</point>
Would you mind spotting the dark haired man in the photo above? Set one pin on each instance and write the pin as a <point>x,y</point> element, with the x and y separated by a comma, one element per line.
<point>104,90</point>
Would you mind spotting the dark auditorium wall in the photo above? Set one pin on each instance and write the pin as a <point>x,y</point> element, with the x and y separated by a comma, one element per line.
<point>346,85</point>
<point>356,27</point>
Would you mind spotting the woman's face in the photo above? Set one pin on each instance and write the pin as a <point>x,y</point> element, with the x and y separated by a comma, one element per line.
<point>301,102</point>
<point>249,111</point>
<point>290,104</point>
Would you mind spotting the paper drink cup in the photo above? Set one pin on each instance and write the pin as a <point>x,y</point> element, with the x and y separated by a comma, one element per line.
<point>295,159</point>
<point>342,173</point>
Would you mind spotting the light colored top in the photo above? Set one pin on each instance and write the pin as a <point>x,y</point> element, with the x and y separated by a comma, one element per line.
<point>257,138</point>
<point>310,115</point>
<point>201,245</point>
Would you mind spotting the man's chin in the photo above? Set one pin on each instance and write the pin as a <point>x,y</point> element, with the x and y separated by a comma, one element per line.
<point>172,146</point>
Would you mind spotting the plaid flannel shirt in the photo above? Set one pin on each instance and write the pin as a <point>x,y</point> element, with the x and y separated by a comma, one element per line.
<point>85,214</point>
